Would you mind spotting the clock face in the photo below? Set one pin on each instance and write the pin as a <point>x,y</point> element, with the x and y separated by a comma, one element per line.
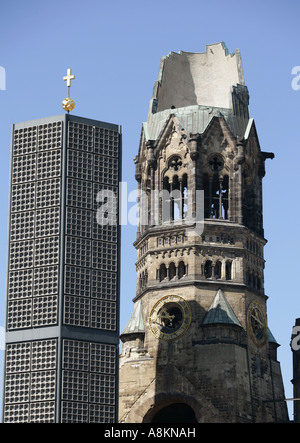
<point>257,323</point>
<point>170,318</point>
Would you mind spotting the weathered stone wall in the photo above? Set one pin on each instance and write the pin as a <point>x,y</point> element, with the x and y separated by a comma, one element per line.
<point>220,362</point>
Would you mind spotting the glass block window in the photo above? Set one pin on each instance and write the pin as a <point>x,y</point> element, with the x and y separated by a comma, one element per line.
<point>34,241</point>
<point>30,382</point>
<point>91,247</point>
<point>89,383</point>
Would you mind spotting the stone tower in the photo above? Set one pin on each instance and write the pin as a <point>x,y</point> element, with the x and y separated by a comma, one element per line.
<point>197,347</point>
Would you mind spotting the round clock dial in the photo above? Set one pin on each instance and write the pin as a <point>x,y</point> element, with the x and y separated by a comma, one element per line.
<point>170,318</point>
<point>257,323</point>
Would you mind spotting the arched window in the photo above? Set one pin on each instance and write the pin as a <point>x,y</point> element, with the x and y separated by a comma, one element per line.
<point>176,200</point>
<point>174,193</point>
<point>181,269</point>
<point>175,413</point>
<point>218,268</point>
<point>162,272</point>
<point>143,279</point>
<point>225,198</point>
<point>172,271</point>
<point>215,199</point>
<point>208,269</point>
<point>165,202</point>
<point>184,196</point>
<point>216,190</point>
<point>228,270</point>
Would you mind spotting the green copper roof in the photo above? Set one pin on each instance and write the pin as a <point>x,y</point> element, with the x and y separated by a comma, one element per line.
<point>136,322</point>
<point>271,338</point>
<point>220,311</point>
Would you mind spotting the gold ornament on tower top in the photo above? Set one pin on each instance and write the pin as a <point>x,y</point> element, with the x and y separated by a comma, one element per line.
<point>68,103</point>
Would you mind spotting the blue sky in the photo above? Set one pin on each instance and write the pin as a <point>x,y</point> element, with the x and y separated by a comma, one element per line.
<point>114,49</point>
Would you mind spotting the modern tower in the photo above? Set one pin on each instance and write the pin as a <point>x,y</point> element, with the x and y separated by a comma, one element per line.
<point>197,347</point>
<point>62,308</point>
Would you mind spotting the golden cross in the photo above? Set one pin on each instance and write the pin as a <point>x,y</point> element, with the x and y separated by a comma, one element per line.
<point>69,77</point>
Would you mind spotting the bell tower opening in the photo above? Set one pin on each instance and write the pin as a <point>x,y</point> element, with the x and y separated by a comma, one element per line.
<point>216,192</point>
<point>174,195</point>
<point>175,413</point>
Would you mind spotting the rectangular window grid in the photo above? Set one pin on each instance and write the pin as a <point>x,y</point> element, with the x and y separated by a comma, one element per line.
<point>90,277</point>
<point>30,382</point>
<point>34,226</point>
<point>91,248</point>
<point>89,384</point>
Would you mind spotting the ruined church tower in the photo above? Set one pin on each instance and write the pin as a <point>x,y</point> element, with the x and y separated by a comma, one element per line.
<point>197,347</point>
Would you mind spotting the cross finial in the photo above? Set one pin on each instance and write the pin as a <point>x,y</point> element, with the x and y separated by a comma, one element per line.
<point>69,77</point>
<point>68,104</point>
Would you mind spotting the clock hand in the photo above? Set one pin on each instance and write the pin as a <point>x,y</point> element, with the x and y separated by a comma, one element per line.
<point>256,318</point>
<point>165,314</point>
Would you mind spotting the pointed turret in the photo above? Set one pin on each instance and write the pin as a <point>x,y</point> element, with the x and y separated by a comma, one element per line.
<point>220,311</point>
<point>136,322</point>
